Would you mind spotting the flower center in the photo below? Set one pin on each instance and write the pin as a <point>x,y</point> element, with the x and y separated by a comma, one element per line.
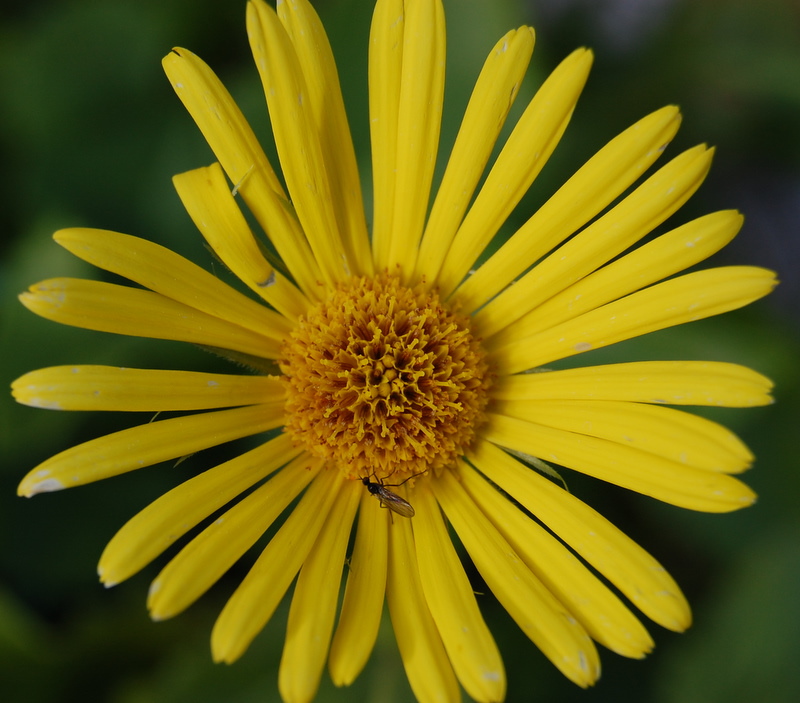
<point>383,380</point>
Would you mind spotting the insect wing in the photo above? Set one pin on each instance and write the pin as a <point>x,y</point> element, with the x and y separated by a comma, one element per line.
<point>395,503</point>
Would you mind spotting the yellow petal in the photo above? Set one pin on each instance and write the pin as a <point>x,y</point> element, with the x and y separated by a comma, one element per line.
<point>673,302</point>
<point>596,184</point>
<point>675,435</point>
<point>255,600</point>
<point>107,307</point>
<point>296,139</point>
<point>220,120</point>
<point>672,382</point>
<point>418,122</point>
<point>362,606</point>
<point>451,600</point>
<point>524,154</point>
<point>540,616</point>
<point>623,562</point>
<point>668,254</point>
<point>618,229</point>
<point>165,272</point>
<point>385,69</point>
<point>488,107</point>
<point>149,444</point>
<point>425,659</point>
<point>669,481</point>
<point>589,600</point>
<point>316,597</point>
<point>111,388</point>
<point>168,518</point>
<point>237,149</point>
<point>210,554</point>
<point>325,95</point>
<point>209,202</point>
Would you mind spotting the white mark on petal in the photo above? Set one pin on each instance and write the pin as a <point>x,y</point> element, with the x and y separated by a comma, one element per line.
<point>106,583</point>
<point>155,587</point>
<point>270,281</point>
<point>47,486</point>
<point>43,404</point>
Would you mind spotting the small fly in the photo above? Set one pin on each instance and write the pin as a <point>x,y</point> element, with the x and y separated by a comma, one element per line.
<point>388,498</point>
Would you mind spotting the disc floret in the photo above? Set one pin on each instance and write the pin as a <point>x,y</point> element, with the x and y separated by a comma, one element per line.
<point>384,380</point>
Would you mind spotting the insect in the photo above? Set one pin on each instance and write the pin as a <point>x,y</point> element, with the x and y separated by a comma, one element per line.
<point>388,498</point>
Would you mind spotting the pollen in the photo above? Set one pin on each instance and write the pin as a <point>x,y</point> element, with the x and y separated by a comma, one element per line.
<point>384,380</point>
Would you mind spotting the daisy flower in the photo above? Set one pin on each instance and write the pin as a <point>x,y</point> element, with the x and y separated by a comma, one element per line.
<point>400,389</point>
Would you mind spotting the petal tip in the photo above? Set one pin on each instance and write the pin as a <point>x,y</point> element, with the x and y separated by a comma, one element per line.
<point>39,483</point>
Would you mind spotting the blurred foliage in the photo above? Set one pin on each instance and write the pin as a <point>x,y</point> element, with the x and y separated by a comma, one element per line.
<point>90,134</point>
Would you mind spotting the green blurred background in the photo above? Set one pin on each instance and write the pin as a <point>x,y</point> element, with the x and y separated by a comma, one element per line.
<point>90,134</point>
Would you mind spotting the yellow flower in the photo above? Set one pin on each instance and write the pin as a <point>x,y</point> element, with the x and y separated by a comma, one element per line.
<point>401,377</point>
